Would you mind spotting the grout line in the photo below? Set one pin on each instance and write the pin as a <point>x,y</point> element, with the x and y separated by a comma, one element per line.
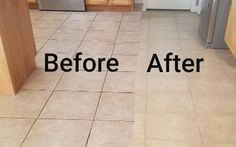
<point>94,118</point>
<point>146,80</point>
<point>188,83</point>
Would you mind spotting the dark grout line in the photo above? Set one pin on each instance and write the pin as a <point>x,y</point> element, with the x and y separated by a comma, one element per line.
<point>94,118</point>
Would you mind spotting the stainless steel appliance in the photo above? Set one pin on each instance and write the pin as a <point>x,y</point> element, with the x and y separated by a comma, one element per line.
<point>66,5</point>
<point>213,22</point>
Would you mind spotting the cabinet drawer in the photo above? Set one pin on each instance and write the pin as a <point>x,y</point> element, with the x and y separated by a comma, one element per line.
<point>121,2</point>
<point>97,2</point>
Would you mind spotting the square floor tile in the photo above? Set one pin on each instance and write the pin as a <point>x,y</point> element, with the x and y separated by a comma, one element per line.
<point>82,81</point>
<point>53,15</point>
<point>219,145</point>
<point>69,35</point>
<point>116,106</point>
<point>96,47</point>
<point>58,133</point>
<point>47,24</point>
<point>172,127</point>
<point>101,36</point>
<point>169,44</point>
<point>131,18</point>
<point>105,26</point>
<point>13,131</point>
<point>71,105</point>
<point>127,48</point>
<point>127,63</point>
<point>39,43</point>
<point>160,143</point>
<point>76,25</point>
<point>128,36</point>
<point>130,27</point>
<point>109,17</point>
<point>27,103</point>
<point>111,134</point>
<point>218,128</point>
<point>60,46</point>
<point>41,80</point>
<point>43,33</point>
<point>86,16</point>
<point>36,14</point>
<point>120,82</point>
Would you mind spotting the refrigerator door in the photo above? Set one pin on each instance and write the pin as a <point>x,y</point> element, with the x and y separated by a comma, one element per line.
<point>221,24</point>
<point>67,5</point>
<point>205,16</point>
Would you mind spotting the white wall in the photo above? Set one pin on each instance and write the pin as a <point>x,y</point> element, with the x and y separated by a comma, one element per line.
<point>138,1</point>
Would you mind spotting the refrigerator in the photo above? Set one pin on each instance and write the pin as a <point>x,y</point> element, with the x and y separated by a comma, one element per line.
<point>213,22</point>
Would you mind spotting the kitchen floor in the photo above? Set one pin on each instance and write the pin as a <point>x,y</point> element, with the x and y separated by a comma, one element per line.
<point>184,109</point>
<point>129,107</point>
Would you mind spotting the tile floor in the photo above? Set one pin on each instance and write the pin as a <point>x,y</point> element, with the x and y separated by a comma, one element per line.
<point>76,109</point>
<point>180,109</point>
<point>129,107</point>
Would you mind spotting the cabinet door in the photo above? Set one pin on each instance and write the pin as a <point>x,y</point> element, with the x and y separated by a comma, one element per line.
<point>97,2</point>
<point>122,2</point>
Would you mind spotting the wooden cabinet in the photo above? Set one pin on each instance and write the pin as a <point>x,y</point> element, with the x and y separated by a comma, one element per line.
<point>111,5</point>
<point>230,36</point>
<point>32,4</point>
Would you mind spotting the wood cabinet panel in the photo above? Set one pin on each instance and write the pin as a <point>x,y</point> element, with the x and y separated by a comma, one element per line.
<point>230,36</point>
<point>121,2</point>
<point>97,2</point>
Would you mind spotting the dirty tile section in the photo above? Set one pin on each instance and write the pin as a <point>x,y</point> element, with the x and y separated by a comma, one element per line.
<point>57,109</point>
<point>179,109</point>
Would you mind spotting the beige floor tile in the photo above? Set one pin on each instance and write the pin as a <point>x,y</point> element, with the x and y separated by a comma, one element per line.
<point>162,20</point>
<point>69,35</point>
<point>131,18</point>
<point>158,27</point>
<point>71,105</point>
<point>82,16</point>
<point>218,128</point>
<point>128,36</point>
<point>162,13</point>
<point>169,44</point>
<point>96,47</point>
<point>130,27</point>
<point>47,24</point>
<point>110,13</point>
<point>172,127</point>
<point>53,15</point>
<point>159,143</point>
<point>26,103</point>
<point>40,80</point>
<point>116,106</point>
<point>105,26</point>
<point>219,145</point>
<point>82,81</point>
<point>40,59</point>
<point>109,17</point>
<point>58,133</point>
<point>174,102</point>
<point>115,134</point>
<point>140,125</point>
<point>170,82</point>
<point>76,25</point>
<point>101,36</point>
<point>13,131</point>
<point>119,82</point>
<point>43,33</point>
<point>163,34</point>
<point>127,63</point>
<point>36,14</point>
<point>127,48</point>
<point>60,46</point>
<point>39,43</point>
